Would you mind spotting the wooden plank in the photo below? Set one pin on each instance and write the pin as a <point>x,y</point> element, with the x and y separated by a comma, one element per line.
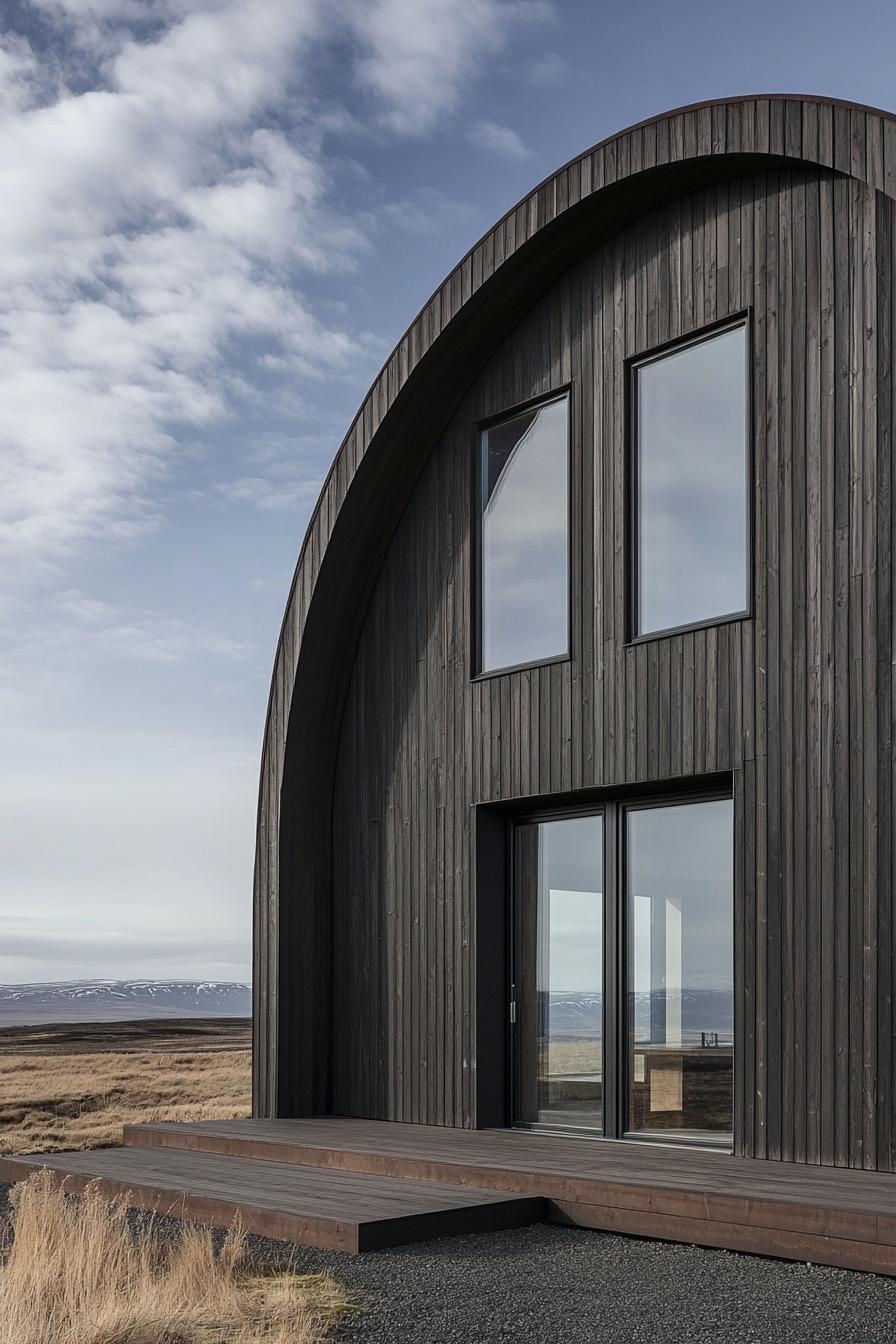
<point>884,935</point>
<point>338,1210</point>
<point>822,1250</point>
<point>811,722</point>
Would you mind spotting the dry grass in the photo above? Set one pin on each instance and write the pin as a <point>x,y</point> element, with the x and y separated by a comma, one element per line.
<point>53,1102</point>
<point>571,1057</point>
<point>77,1273</point>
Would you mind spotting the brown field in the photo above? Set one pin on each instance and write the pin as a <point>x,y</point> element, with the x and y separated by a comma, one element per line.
<point>74,1087</point>
<point>565,1057</point>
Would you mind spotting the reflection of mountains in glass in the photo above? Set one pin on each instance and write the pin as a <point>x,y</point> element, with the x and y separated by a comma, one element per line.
<point>581,1015</point>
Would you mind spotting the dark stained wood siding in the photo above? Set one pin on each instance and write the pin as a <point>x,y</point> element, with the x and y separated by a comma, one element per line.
<point>796,702</point>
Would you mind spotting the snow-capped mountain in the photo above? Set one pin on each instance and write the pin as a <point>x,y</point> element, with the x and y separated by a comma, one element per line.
<point>579,1016</point>
<point>121,1000</point>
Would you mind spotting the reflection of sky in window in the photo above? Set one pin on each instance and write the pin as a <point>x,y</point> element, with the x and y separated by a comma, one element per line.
<point>684,854</point>
<point>692,509</point>
<point>524,538</point>
<point>576,946</point>
<point>572,879</point>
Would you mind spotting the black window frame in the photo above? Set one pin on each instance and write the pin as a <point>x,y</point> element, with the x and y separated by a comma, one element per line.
<point>617,951</point>
<point>477,672</point>
<point>604,810</point>
<point>654,355</point>
<point>625,1039</point>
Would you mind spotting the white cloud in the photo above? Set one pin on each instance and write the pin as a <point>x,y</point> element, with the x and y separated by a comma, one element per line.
<point>498,140</point>
<point>163,219</point>
<point>54,656</point>
<point>158,220</point>
<point>419,55</point>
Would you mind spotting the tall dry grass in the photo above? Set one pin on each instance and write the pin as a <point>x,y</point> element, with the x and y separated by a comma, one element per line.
<point>49,1103</point>
<point>77,1273</point>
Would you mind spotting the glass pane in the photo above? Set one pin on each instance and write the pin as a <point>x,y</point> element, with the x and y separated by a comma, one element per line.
<point>525,520</point>
<point>679,866</point>
<point>559,997</point>
<point>692,503</point>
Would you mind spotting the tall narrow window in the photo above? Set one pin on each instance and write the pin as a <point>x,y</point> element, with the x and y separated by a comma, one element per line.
<point>524,538</point>
<point>691,550</point>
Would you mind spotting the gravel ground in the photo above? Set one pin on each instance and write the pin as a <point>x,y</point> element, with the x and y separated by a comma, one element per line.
<point>556,1285</point>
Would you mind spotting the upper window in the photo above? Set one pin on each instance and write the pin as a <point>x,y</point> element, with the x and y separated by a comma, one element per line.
<point>524,537</point>
<point>690,478</point>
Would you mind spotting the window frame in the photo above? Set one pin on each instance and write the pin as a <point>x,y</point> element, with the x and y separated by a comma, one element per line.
<point>624,1041</point>
<point>477,672</point>
<point>547,814</point>
<point>744,319</point>
<point>613,806</point>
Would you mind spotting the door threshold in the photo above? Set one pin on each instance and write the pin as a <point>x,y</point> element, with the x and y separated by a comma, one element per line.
<point>633,1140</point>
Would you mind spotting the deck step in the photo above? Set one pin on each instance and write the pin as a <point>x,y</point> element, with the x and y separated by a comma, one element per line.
<point>312,1206</point>
<point>825,1215</point>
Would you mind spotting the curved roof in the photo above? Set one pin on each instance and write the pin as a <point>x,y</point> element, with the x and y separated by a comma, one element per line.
<point>423,380</point>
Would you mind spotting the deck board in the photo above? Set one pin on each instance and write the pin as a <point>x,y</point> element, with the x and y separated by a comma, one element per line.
<point>356,1185</point>
<point>316,1206</point>
<point>825,1214</point>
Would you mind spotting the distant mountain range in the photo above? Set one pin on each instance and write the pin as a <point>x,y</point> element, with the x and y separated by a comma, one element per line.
<point>121,1001</point>
<point>579,1016</point>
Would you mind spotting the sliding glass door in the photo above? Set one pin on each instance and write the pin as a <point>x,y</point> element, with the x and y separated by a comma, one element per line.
<point>622,1002</point>
<point>558,998</point>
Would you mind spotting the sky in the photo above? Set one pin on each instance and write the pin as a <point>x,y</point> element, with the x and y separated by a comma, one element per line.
<point>218,217</point>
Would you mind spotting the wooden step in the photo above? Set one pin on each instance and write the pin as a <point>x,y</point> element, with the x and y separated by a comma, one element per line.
<point>311,1206</point>
<point>706,1197</point>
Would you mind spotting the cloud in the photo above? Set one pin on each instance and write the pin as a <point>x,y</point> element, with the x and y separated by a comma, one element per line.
<point>42,938</point>
<point>418,56</point>
<point>426,211</point>
<point>171,192</point>
<point>547,71</point>
<point>58,651</point>
<point>498,139</point>
<point>266,493</point>
<point>78,948</point>
<point>158,222</point>
<point>125,853</point>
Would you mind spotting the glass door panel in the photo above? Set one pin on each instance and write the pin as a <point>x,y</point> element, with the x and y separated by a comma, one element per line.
<point>679,879</point>
<point>559,989</point>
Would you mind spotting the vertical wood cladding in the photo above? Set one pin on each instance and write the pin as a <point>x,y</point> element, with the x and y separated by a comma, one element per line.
<point>797,702</point>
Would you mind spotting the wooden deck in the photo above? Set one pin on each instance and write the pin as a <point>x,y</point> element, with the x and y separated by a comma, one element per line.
<point>339,1210</point>
<point>290,1176</point>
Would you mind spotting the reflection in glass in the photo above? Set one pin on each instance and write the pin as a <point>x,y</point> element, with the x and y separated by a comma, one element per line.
<point>524,541</point>
<point>679,864</point>
<point>691,483</point>
<point>559,1003</point>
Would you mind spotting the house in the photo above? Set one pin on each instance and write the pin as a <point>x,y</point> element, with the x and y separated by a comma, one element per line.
<point>576,804</point>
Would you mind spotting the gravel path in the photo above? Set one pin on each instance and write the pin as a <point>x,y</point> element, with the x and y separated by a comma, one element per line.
<point>555,1285</point>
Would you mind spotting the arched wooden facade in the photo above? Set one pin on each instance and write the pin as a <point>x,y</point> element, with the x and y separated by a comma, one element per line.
<point>388,771</point>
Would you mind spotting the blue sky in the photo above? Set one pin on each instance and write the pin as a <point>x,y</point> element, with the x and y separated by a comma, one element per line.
<point>218,218</point>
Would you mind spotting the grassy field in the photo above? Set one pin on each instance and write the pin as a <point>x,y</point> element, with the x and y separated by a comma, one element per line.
<point>74,1087</point>
<point>566,1057</point>
<point>75,1272</point>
